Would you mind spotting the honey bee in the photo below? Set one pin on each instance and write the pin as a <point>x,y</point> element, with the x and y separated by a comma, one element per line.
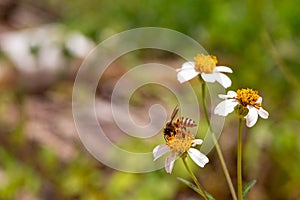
<point>181,123</point>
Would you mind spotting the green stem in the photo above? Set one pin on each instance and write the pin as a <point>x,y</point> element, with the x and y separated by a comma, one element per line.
<point>218,149</point>
<point>239,161</point>
<point>194,178</point>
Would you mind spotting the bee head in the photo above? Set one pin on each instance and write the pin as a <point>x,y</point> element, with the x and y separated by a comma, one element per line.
<point>167,131</point>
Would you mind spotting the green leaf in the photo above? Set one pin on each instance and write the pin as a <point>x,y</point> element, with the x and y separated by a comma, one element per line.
<point>195,188</point>
<point>248,187</point>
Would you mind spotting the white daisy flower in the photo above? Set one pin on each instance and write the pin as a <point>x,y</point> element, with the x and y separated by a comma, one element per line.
<point>206,67</point>
<point>247,101</point>
<point>181,143</point>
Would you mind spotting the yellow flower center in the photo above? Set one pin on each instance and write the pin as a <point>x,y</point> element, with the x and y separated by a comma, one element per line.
<point>181,142</point>
<point>205,63</point>
<point>248,97</point>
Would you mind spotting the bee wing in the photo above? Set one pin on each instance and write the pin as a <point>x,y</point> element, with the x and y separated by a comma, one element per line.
<point>174,113</point>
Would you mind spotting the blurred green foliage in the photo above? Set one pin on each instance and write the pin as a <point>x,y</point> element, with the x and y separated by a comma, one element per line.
<point>258,39</point>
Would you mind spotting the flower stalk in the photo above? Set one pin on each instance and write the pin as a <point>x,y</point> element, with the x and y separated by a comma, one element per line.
<point>194,178</point>
<point>218,149</point>
<point>239,161</point>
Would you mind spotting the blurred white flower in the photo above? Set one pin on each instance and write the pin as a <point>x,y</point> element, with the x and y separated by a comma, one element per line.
<point>41,54</point>
<point>42,48</point>
<point>246,101</point>
<point>182,142</point>
<point>78,44</point>
<point>206,67</point>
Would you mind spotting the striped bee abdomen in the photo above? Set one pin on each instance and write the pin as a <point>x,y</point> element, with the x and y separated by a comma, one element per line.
<point>184,121</point>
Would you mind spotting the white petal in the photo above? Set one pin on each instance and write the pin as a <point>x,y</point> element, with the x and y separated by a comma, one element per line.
<point>160,150</point>
<point>259,100</point>
<point>222,96</point>
<point>224,80</point>
<point>263,113</point>
<point>230,94</point>
<point>186,75</point>
<point>188,65</point>
<point>221,78</point>
<point>251,117</point>
<point>225,107</point>
<point>197,142</point>
<point>198,157</point>
<point>169,162</point>
<point>209,77</point>
<point>223,69</point>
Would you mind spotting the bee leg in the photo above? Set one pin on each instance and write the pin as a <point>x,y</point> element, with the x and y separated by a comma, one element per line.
<point>165,137</point>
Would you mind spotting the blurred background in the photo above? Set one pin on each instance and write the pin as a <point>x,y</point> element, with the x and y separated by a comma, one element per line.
<point>43,44</point>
